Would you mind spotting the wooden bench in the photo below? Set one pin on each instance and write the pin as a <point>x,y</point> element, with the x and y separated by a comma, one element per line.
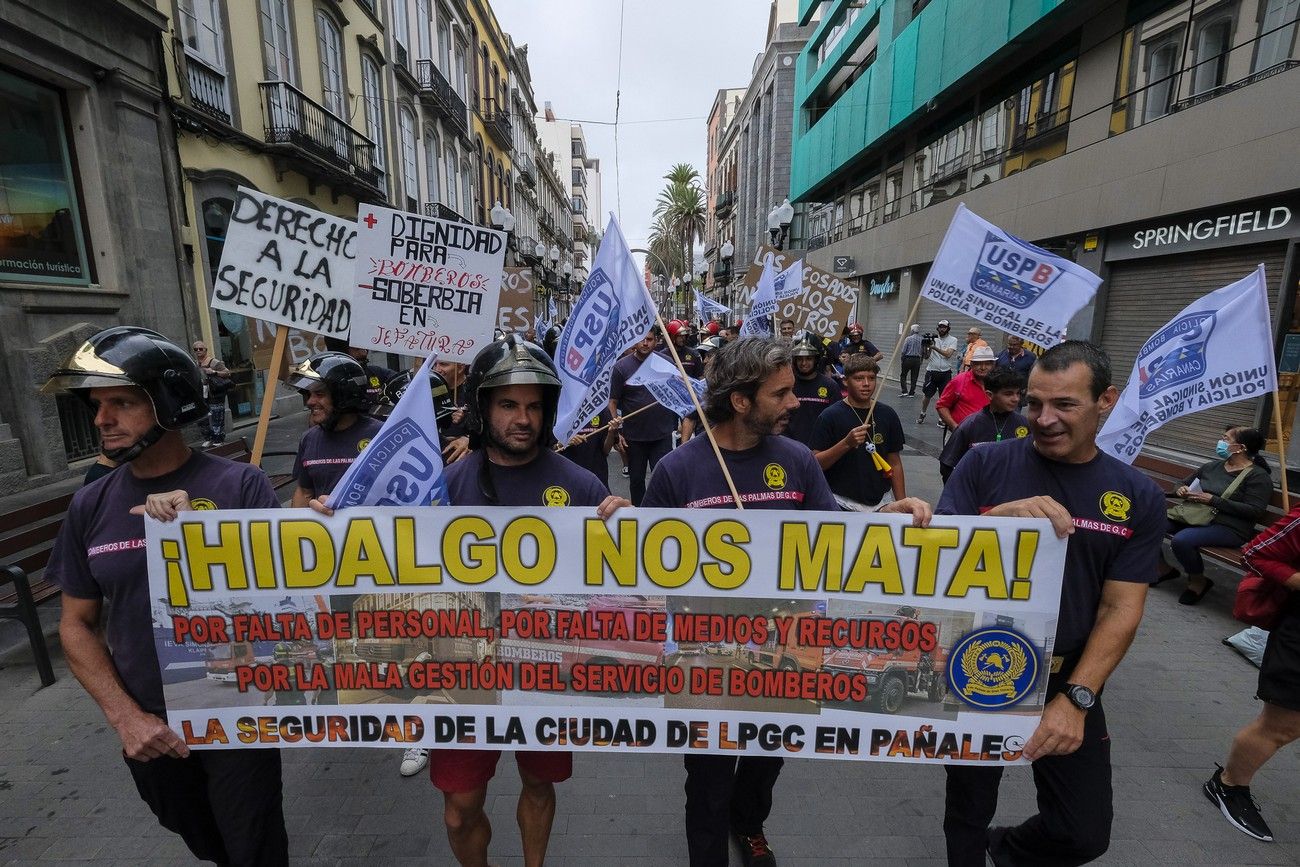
<point>238,450</point>
<point>26,538</point>
<point>1168,475</point>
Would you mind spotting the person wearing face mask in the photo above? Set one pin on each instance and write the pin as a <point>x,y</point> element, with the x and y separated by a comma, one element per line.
<point>1236,487</point>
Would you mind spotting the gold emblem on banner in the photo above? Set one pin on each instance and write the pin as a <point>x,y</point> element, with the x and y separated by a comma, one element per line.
<point>993,667</point>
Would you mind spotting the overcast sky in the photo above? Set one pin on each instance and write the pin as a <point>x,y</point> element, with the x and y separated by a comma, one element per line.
<point>676,55</point>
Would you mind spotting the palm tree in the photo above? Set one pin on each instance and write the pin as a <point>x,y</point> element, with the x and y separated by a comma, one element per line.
<point>681,213</point>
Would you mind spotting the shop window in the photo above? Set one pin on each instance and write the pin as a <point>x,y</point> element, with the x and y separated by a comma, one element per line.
<point>41,238</point>
<point>1277,26</point>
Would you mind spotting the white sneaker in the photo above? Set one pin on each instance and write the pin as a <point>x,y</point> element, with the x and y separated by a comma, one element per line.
<point>414,760</point>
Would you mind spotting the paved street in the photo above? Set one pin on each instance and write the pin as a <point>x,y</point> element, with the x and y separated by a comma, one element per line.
<point>65,796</point>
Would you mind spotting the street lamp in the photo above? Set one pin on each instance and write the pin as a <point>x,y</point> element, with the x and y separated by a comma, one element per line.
<point>778,223</point>
<point>728,250</point>
<point>540,252</point>
<point>502,218</point>
<point>555,256</point>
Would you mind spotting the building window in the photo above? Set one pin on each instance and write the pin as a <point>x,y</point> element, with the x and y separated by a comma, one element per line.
<point>1277,25</point>
<point>449,163</point>
<point>401,30</point>
<point>330,44</point>
<point>406,136</point>
<point>422,24</point>
<point>373,94</point>
<point>432,159</point>
<point>277,41</point>
<point>201,29</point>
<point>444,49</point>
<point>467,189</point>
<point>1162,63</point>
<point>41,238</point>
<point>460,72</point>
<point>1213,41</point>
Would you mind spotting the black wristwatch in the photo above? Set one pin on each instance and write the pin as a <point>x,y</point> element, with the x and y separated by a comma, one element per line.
<point>1080,696</point>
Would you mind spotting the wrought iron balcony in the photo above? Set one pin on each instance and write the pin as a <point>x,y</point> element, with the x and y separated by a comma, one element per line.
<point>725,204</point>
<point>290,118</point>
<point>207,89</point>
<point>442,212</point>
<point>498,126</point>
<point>527,174</point>
<point>437,92</point>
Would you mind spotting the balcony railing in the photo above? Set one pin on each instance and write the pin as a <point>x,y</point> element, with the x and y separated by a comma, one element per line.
<point>207,89</point>
<point>289,117</point>
<point>498,125</point>
<point>438,93</point>
<point>442,212</point>
<point>527,174</point>
<point>726,202</point>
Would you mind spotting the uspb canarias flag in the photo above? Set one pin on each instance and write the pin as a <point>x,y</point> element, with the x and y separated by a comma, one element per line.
<point>664,381</point>
<point>758,322</point>
<point>613,312</point>
<point>995,278</point>
<point>1218,350</point>
<point>706,307</point>
<point>402,465</point>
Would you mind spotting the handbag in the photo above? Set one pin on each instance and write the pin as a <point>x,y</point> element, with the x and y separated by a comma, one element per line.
<point>1260,601</point>
<point>1202,514</point>
<point>219,386</point>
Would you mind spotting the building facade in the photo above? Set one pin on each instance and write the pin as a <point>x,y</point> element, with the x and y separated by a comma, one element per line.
<point>88,240</point>
<point>720,179</point>
<point>1148,141</point>
<point>753,151</point>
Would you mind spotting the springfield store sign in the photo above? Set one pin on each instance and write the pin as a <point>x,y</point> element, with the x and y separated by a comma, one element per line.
<point>1223,227</point>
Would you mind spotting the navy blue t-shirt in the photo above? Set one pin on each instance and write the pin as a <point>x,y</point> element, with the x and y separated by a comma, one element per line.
<point>814,396</point>
<point>855,475</point>
<point>590,454</point>
<point>982,427</point>
<point>548,480</point>
<point>1119,519</point>
<point>99,554</point>
<point>324,456</point>
<point>653,424</point>
<point>778,473</point>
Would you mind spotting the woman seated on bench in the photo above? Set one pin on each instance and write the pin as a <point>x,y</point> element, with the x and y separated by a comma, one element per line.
<point>1234,516</point>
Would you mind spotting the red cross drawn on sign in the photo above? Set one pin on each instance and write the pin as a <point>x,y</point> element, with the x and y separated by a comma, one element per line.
<point>370,221</point>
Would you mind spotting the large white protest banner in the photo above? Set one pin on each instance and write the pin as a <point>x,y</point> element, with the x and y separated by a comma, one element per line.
<point>995,278</point>
<point>613,312</point>
<point>664,381</point>
<point>402,464</point>
<point>1218,350</point>
<point>425,285</point>
<point>287,264</point>
<point>839,635</point>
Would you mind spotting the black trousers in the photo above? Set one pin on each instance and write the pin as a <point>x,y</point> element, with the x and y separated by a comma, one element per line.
<point>1074,806</point>
<point>911,367</point>
<point>725,793</point>
<point>642,455</point>
<point>227,805</point>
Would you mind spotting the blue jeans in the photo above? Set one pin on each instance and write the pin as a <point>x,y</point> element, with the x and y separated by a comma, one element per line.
<point>1186,540</point>
<point>213,428</point>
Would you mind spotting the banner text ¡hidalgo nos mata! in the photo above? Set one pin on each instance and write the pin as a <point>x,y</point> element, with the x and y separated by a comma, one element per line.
<point>836,635</point>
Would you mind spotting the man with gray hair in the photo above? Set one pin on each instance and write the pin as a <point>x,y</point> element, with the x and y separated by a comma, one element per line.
<point>748,402</point>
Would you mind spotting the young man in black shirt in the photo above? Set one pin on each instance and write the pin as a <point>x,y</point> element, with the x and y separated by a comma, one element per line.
<point>1114,517</point>
<point>994,423</point>
<point>847,434</point>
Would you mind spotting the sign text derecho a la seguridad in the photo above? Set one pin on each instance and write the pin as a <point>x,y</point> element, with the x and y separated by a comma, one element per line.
<point>957,620</point>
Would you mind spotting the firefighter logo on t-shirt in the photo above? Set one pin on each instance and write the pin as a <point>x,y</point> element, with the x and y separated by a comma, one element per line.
<point>203,504</point>
<point>822,391</point>
<point>361,445</point>
<point>774,476</point>
<point>1022,432</point>
<point>1115,506</point>
<point>878,439</point>
<point>555,496</point>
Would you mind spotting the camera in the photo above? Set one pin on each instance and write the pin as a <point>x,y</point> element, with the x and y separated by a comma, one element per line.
<point>927,340</point>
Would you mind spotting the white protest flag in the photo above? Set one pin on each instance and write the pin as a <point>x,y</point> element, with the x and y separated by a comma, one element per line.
<point>1218,350</point>
<point>402,465</point>
<point>789,283</point>
<point>758,322</point>
<point>540,326</point>
<point>664,381</point>
<point>613,312</point>
<point>706,307</point>
<point>551,313</point>
<point>995,278</point>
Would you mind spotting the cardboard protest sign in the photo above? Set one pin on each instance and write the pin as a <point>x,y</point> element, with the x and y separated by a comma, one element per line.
<point>288,264</point>
<point>425,285</point>
<point>825,305</point>
<point>300,346</point>
<point>840,635</point>
<point>516,310</point>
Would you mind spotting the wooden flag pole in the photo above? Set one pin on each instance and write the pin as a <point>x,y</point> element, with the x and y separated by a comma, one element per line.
<point>704,421</point>
<point>1281,450</point>
<point>268,394</point>
<point>588,434</point>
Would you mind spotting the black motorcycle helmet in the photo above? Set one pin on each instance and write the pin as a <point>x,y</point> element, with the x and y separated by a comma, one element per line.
<point>396,387</point>
<point>128,355</point>
<point>344,378</point>
<point>510,361</point>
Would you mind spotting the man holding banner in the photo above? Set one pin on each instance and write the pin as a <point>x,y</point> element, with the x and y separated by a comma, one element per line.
<point>748,400</point>
<point>226,804</point>
<point>1115,519</point>
<point>513,392</point>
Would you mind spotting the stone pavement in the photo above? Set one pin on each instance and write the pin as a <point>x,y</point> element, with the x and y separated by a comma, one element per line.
<point>1173,706</point>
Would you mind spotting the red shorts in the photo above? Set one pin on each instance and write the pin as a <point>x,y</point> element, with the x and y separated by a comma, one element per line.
<point>469,770</point>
